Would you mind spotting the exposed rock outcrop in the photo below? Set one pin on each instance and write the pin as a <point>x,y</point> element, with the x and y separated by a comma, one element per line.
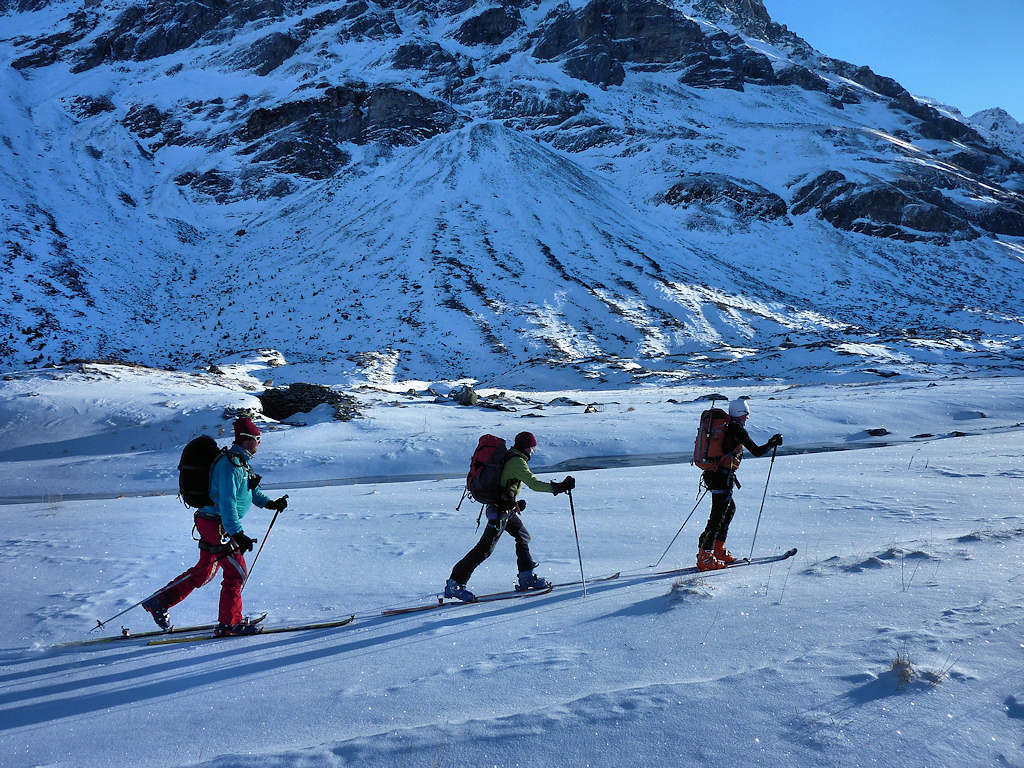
<point>739,197</point>
<point>282,403</point>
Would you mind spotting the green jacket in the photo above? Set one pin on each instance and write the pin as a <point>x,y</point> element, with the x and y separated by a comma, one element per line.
<point>517,472</point>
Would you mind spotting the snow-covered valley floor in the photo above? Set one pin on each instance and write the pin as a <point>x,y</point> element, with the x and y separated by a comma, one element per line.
<point>911,552</point>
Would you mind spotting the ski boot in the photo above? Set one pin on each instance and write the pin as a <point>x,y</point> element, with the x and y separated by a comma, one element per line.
<point>452,588</point>
<point>246,626</point>
<point>529,580</point>
<point>723,554</point>
<point>706,561</point>
<point>158,612</point>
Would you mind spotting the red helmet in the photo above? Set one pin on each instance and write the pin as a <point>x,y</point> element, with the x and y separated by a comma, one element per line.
<point>526,440</point>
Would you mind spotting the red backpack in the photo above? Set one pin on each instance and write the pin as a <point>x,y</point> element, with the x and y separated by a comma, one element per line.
<point>484,479</point>
<point>708,452</point>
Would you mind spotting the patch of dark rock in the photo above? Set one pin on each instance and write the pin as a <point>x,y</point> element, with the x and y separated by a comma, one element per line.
<point>877,432</point>
<point>495,406</point>
<point>465,395</point>
<point>127,199</point>
<point>90,106</point>
<point>268,53</point>
<point>282,403</point>
<point>592,408</point>
<point>902,210</point>
<point>491,27</point>
<point>922,435</point>
<point>740,197</point>
<point>425,55</point>
<point>801,77</point>
<point>1001,219</point>
<point>565,401</point>
<point>958,433</point>
<point>312,156</point>
<point>155,28</point>
<point>354,113</point>
<point>530,108</point>
<point>49,48</point>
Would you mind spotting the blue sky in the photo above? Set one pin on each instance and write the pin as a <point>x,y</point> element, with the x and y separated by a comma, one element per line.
<point>965,53</point>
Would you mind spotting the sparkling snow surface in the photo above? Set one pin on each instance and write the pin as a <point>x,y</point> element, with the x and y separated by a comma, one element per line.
<point>908,552</point>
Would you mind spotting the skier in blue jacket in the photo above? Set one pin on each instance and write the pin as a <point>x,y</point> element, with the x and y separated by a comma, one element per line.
<point>234,488</point>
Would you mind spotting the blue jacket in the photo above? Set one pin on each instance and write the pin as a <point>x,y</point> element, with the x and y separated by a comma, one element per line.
<point>229,489</point>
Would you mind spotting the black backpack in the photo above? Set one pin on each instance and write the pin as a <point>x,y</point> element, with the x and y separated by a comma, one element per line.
<point>194,471</point>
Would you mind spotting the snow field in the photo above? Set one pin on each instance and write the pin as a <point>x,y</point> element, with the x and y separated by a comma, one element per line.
<point>911,551</point>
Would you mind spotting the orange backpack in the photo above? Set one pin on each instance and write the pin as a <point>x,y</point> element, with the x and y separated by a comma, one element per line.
<point>708,452</point>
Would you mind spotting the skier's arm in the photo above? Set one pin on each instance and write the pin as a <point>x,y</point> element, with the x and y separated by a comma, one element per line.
<point>259,498</point>
<point>518,469</point>
<point>226,483</point>
<point>754,448</point>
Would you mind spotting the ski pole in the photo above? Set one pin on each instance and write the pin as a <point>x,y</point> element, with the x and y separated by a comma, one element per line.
<point>772,464</point>
<point>265,537</point>
<point>699,499</point>
<point>572,509</point>
<point>101,624</point>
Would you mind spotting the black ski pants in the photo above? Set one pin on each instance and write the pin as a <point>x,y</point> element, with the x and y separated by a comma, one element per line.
<point>504,522</point>
<point>722,508</point>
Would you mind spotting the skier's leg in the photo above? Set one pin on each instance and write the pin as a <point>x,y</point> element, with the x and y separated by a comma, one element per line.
<point>517,530</point>
<point>481,551</point>
<point>230,612</point>
<point>720,502</point>
<point>198,575</point>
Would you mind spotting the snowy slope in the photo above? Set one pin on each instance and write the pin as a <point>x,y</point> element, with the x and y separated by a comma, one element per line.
<point>907,553</point>
<point>408,194</point>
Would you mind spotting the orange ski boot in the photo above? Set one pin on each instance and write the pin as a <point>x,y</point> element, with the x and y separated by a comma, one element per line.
<point>723,554</point>
<point>706,561</point>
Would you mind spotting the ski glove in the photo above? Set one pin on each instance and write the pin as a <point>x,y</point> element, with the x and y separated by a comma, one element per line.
<point>775,440</point>
<point>561,487</point>
<point>254,482</point>
<point>521,505</point>
<point>278,505</point>
<point>243,542</point>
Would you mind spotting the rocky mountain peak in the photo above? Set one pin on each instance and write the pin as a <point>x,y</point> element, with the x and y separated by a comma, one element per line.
<point>621,188</point>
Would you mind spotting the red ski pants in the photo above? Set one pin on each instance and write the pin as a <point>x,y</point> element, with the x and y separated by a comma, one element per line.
<point>200,574</point>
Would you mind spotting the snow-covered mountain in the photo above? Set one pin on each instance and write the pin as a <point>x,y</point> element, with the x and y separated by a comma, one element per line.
<point>522,193</point>
<point>1000,128</point>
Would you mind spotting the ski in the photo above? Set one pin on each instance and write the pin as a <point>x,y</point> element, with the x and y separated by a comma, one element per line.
<point>441,603</point>
<point>595,580</point>
<point>127,634</point>
<point>268,631</point>
<point>738,564</point>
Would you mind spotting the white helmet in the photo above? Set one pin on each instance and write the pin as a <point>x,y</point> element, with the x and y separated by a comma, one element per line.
<point>738,408</point>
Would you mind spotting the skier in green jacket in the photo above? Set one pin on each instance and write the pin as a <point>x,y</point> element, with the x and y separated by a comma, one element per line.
<point>515,473</point>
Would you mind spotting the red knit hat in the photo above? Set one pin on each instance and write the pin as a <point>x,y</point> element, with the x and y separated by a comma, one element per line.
<point>244,427</point>
<point>526,440</point>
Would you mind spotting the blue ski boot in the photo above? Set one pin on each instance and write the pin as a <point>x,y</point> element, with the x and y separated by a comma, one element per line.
<point>452,588</point>
<point>529,580</point>
<point>158,612</point>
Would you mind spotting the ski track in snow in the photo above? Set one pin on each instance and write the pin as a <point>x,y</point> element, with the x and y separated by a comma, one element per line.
<point>909,550</point>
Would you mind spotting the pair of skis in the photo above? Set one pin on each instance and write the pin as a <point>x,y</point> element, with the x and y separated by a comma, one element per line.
<point>191,634</point>
<point>198,632</point>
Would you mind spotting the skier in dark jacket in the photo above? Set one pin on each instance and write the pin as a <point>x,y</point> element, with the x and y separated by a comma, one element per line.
<point>712,554</point>
<point>234,488</point>
<point>499,519</point>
